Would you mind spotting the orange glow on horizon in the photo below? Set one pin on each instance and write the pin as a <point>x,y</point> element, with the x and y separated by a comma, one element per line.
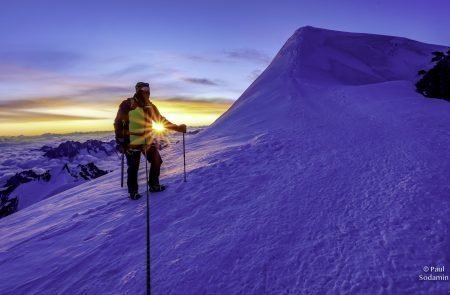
<point>88,118</point>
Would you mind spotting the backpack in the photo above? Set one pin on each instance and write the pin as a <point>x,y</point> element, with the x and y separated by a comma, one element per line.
<point>121,123</point>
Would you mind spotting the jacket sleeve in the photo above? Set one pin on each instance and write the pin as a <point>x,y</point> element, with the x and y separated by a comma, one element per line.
<point>157,117</point>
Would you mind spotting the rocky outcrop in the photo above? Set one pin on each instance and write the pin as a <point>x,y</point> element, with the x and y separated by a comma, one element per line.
<point>23,177</point>
<point>87,171</point>
<point>71,148</point>
<point>9,205</point>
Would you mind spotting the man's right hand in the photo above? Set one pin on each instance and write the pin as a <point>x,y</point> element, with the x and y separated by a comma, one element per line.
<point>121,148</point>
<point>121,145</point>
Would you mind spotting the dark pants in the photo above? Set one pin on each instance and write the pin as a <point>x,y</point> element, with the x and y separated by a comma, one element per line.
<point>133,159</point>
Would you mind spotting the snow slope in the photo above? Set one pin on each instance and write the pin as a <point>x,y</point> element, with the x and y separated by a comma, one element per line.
<point>328,175</point>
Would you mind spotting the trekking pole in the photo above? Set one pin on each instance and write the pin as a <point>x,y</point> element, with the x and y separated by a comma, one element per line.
<point>123,154</point>
<point>121,180</point>
<point>184,158</point>
<point>149,286</point>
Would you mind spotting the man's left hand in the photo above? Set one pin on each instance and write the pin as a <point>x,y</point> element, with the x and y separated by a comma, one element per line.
<point>182,128</point>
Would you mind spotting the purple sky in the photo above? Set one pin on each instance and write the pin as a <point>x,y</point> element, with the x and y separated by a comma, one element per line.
<point>212,50</point>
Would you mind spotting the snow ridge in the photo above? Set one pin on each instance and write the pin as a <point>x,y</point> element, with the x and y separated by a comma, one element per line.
<point>328,175</point>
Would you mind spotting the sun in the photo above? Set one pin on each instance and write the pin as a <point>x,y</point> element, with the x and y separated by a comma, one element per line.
<point>158,127</point>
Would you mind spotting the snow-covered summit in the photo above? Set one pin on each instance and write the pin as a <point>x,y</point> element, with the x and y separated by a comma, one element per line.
<point>315,60</point>
<point>334,57</point>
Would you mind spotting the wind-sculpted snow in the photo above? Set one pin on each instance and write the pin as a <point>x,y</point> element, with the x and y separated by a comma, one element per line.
<point>304,186</point>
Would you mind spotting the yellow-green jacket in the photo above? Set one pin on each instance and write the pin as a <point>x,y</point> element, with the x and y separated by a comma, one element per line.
<point>137,123</point>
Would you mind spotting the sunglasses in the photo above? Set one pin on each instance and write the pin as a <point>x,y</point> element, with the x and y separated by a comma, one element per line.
<point>145,89</point>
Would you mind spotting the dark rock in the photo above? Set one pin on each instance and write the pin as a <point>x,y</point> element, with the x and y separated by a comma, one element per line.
<point>90,171</point>
<point>87,172</point>
<point>8,206</point>
<point>435,82</point>
<point>71,148</point>
<point>23,177</point>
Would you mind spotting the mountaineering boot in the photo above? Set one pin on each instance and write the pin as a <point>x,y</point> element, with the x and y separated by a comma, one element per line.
<point>154,188</point>
<point>135,196</point>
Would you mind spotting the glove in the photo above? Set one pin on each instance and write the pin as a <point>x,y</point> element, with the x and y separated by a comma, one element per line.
<point>182,128</point>
<point>121,145</point>
<point>121,148</point>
